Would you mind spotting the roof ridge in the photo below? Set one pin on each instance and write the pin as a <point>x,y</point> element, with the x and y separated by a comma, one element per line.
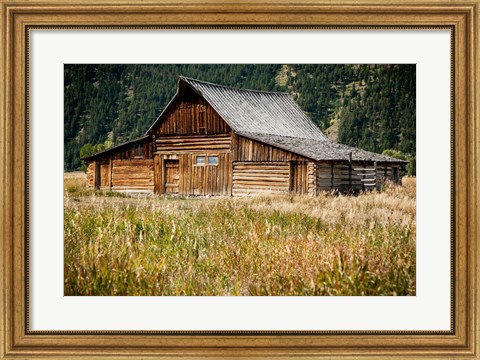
<point>233,87</point>
<point>285,136</point>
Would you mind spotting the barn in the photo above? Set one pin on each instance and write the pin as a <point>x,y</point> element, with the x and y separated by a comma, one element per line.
<point>218,140</point>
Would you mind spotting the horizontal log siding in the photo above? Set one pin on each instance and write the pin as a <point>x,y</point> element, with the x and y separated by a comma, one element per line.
<point>191,114</point>
<point>251,150</point>
<point>132,175</point>
<point>179,144</point>
<point>324,176</point>
<point>256,178</point>
<point>90,175</point>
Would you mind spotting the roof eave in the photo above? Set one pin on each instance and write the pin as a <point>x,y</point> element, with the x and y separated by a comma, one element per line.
<point>116,147</point>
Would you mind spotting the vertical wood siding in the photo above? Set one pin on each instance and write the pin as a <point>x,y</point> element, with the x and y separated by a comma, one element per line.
<point>299,177</point>
<point>195,179</point>
<point>105,176</point>
<point>245,149</point>
<point>190,114</point>
<point>128,152</point>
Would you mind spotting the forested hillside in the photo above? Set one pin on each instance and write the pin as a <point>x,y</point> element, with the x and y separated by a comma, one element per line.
<point>368,106</point>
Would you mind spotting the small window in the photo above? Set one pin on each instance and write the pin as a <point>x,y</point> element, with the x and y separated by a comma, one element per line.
<point>200,160</point>
<point>138,152</point>
<point>213,160</point>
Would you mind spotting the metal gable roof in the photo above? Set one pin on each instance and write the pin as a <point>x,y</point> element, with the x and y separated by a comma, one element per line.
<point>257,111</point>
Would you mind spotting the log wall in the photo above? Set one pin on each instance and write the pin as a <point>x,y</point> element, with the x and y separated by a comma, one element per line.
<point>261,178</point>
<point>90,175</point>
<point>245,149</point>
<point>358,176</point>
<point>132,175</point>
<point>192,144</point>
<point>312,178</point>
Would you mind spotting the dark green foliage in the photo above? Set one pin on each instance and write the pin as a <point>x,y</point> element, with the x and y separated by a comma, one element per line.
<point>395,154</point>
<point>374,104</point>
<point>378,110</point>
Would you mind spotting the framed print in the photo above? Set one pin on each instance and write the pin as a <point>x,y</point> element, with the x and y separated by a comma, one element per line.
<point>239,179</point>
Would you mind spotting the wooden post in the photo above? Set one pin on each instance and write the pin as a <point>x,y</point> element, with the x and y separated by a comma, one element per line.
<point>350,171</point>
<point>363,177</point>
<point>331,171</point>
<point>111,174</point>
<point>375,171</point>
<point>96,176</point>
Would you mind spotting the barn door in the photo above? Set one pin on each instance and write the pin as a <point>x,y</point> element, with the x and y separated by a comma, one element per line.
<point>298,177</point>
<point>172,176</point>
<point>97,176</point>
<point>105,176</point>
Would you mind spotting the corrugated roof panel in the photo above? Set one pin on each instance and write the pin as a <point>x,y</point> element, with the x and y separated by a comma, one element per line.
<point>319,149</point>
<point>258,111</point>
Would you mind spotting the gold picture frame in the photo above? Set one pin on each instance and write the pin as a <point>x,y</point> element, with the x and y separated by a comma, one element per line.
<point>461,18</point>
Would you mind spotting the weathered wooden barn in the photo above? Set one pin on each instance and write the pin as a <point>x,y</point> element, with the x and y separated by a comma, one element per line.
<point>218,140</point>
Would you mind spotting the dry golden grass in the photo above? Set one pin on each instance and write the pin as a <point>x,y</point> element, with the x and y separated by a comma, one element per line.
<point>287,245</point>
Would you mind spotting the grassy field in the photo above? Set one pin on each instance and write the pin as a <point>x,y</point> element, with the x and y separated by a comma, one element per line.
<point>328,245</point>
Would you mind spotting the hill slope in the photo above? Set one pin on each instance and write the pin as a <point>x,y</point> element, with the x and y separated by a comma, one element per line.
<point>369,106</point>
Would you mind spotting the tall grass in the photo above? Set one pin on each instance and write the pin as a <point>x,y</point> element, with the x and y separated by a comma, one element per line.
<point>290,245</point>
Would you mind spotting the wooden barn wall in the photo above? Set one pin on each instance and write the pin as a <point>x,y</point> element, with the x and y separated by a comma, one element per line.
<point>340,176</point>
<point>299,177</point>
<point>312,178</point>
<point>90,175</point>
<point>128,152</point>
<point>181,144</point>
<point>385,173</point>
<point>132,175</point>
<point>245,149</point>
<point>261,178</point>
<point>195,179</point>
<point>190,114</point>
<point>105,173</point>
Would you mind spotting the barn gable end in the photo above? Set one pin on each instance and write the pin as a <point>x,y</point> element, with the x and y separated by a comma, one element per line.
<point>188,113</point>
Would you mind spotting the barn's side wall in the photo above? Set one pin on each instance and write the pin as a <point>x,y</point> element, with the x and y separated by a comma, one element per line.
<point>100,169</point>
<point>261,178</point>
<point>90,175</point>
<point>355,176</point>
<point>312,178</point>
<point>132,175</point>
<point>262,169</point>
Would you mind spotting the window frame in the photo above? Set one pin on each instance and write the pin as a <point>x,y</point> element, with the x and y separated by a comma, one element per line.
<point>205,163</point>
